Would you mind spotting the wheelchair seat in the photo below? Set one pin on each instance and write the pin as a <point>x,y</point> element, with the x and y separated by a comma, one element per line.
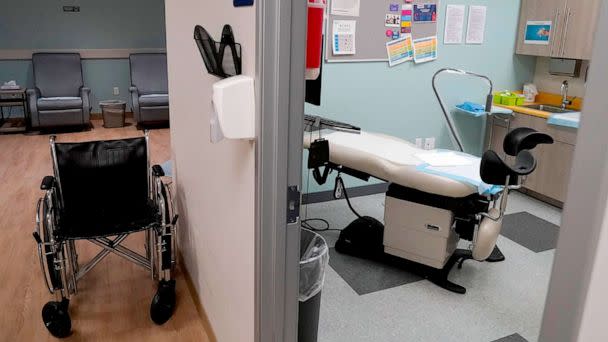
<point>101,192</point>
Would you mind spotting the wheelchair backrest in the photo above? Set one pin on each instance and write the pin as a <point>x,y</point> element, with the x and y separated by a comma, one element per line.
<point>102,176</point>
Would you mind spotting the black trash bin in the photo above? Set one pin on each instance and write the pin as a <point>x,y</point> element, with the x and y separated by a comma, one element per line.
<point>314,256</point>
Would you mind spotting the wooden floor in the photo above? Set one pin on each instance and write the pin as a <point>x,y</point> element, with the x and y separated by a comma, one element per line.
<point>114,298</point>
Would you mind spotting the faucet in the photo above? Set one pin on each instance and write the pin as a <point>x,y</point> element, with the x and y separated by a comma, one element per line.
<point>564,92</point>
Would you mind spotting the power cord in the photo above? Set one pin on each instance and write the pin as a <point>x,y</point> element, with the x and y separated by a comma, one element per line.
<point>341,183</point>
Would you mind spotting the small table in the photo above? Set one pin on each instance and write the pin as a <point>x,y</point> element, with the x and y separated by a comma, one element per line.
<point>14,98</point>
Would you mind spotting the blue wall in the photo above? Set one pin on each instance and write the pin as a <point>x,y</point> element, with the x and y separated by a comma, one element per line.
<point>107,24</point>
<point>399,101</point>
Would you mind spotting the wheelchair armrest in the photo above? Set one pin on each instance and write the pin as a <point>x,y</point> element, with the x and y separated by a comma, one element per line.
<point>158,171</point>
<point>48,182</point>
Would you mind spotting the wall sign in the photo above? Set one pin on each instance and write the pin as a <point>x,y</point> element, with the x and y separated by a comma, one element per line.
<point>241,3</point>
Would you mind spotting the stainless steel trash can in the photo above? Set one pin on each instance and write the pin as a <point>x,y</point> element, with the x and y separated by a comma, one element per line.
<point>314,257</point>
<point>113,112</point>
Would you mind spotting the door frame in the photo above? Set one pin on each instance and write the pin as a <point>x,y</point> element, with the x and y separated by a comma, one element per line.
<point>280,86</point>
<point>585,212</point>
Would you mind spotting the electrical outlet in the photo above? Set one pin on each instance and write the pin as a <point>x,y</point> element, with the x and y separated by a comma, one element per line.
<point>116,91</point>
<point>429,143</point>
<point>419,142</point>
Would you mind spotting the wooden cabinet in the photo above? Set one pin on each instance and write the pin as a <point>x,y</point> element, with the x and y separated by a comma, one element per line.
<point>579,28</point>
<point>540,10</point>
<point>572,31</point>
<point>550,179</point>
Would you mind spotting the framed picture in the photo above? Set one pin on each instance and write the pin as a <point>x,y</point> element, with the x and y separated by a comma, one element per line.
<point>538,32</point>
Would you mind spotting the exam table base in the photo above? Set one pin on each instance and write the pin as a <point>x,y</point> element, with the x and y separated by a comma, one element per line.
<point>363,238</point>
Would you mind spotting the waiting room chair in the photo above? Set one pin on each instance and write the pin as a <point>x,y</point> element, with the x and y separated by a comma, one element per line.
<point>59,97</point>
<point>149,88</point>
<point>102,191</point>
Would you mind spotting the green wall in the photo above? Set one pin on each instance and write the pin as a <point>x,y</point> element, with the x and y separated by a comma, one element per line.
<point>400,101</point>
<point>107,24</point>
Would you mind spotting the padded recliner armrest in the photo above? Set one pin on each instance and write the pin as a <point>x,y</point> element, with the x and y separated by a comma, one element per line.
<point>33,94</point>
<point>48,182</point>
<point>86,104</point>
<point>158,171</point>
<point>135,103</point>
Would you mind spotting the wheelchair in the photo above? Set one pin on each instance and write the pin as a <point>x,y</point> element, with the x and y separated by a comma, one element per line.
<point>101,192</point>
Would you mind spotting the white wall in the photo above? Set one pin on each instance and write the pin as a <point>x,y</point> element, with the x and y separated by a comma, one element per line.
<point>215,182</point>
<point>596,303</point>
<point>552,84</point>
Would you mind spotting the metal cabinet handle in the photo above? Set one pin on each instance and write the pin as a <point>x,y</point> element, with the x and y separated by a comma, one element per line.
<point>565,35</point>
<point>554,29</point>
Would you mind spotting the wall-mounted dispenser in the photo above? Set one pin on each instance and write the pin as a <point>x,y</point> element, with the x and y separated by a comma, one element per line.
<point>234,109</point>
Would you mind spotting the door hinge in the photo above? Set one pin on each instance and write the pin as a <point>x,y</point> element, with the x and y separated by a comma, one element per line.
<point>293,204</point>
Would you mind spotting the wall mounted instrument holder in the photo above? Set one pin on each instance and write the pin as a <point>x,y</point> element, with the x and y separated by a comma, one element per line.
<point>221,59</point>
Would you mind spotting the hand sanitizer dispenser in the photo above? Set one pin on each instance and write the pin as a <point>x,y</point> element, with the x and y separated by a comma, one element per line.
<point>234,105</point>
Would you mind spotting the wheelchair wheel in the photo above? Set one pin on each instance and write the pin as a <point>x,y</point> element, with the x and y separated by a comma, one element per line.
<point>57,319</point>
<point>163,303</point>
<point>54,274</point>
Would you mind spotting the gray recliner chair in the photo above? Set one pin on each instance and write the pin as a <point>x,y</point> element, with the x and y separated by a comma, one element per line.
<point>149,88</point>
<point>59,97</point>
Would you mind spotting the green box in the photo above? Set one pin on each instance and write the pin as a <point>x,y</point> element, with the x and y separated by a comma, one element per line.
<point>497,98</point>
<point>509,100</point>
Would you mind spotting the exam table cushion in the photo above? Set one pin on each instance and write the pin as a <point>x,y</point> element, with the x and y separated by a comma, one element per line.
<point>390,159</point>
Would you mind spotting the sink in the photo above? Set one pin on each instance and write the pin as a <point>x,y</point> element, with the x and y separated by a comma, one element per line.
<point>548,108</point>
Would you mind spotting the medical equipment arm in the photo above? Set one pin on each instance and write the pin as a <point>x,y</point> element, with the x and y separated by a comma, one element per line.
<point>448,118</point>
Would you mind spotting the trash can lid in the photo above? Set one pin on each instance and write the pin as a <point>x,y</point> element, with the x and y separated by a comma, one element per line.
<point>111,102</point>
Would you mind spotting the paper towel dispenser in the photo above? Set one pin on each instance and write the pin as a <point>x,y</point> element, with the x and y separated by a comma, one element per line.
<point>234,106</point>
<point>565,67</point>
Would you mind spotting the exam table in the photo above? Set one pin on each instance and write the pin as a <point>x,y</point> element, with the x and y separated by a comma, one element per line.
<point>428,207</point>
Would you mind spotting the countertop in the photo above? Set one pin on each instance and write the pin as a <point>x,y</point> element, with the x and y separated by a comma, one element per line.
<point>548,99</point>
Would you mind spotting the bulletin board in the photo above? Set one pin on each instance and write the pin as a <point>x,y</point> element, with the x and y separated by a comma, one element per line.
<point>370,41</point>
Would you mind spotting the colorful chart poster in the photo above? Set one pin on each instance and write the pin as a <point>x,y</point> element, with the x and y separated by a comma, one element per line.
<point>400,50</point>
<point>406,18</point>
<point>425,12</point>
<point>425,49</point>
<point>344,37</point>
<point>538,32</point>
